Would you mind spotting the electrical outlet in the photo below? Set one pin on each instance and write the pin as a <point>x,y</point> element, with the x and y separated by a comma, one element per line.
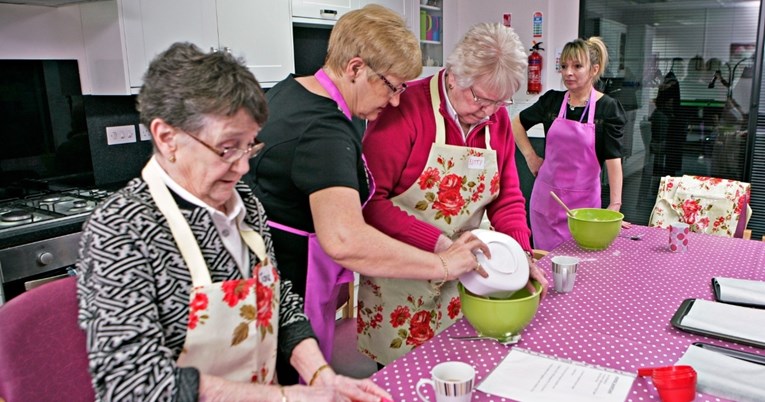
<point>144,133</point>
<point>120,134</point>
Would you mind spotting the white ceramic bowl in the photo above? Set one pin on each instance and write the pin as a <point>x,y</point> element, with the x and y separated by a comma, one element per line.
<point>508,267</point>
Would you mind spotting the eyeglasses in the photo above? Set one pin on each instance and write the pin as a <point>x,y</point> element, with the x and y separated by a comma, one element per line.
<point>483,102</point>
<point>396,91</point>
<point>231,155</point>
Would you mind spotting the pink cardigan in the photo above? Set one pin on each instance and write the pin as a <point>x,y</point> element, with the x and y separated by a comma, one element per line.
<point>396,147</point>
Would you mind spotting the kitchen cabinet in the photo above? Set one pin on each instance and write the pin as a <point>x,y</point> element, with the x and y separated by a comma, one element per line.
<point>321,11</point>
<point>434,22</point>
<point>123,36</point>
<point>398,6</point>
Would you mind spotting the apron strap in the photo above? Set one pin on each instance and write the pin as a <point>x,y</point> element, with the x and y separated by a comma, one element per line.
<point>335,94</point>
<point>333,91</point>
<point>435,102</point>
<point>255,241</point>
<point>591,107</point>
<point>562,111</point>
<point>288,229</point>
<point>589,111</point>
<point>180,229</point>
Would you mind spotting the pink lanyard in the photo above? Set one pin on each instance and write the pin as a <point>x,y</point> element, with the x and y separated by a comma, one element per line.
<point>335,94</point>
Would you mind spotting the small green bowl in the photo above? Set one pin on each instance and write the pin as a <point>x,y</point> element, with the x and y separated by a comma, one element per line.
<point>500,318</point>
<point>594,228</point>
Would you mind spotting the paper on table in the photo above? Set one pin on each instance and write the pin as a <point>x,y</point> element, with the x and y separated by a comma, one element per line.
<point>529,376</point>
<point>727,319</point>
<point>725,376</point>
<point>741,291</point>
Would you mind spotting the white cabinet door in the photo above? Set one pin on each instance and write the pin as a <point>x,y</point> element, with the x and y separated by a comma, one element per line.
<point>322,10</point>
<point>260,32</point>
<point>151,26</point>
<point>398,6</point>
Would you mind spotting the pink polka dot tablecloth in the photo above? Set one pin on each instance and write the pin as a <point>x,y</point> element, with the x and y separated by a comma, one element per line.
<point>617,316</point>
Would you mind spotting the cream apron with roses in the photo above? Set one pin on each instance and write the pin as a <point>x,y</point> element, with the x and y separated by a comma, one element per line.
<point>396,315</point>
<point>233,325</point>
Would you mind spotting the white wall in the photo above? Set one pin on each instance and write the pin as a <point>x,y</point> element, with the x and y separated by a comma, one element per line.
<point>560,24</point>
<point>34,32</point>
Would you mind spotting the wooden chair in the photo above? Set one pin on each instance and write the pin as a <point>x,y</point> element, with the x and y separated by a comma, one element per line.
<point>539,254</point>
<point>346,359</point>
<point>748,235</point>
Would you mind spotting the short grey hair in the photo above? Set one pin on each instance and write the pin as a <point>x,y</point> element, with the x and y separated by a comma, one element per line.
<point>183,85</point>
<point>491,54</point>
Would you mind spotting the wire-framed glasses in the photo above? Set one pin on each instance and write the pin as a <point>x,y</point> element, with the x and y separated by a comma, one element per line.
<point>231,155</point>
<point>483,102</point>
<point>396,90</point>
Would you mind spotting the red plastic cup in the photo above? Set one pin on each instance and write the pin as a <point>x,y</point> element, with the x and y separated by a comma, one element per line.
<point>674,383</point>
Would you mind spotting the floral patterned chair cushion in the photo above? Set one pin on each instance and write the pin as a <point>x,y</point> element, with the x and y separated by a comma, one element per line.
<point>709,205</point>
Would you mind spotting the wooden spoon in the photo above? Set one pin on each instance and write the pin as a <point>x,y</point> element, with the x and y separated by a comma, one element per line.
<point>568,211</point>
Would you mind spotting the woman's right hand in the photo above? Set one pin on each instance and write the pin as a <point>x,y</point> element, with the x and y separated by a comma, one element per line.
<point>534,162</point>
<point>340,388</point>
<point>460,256</point>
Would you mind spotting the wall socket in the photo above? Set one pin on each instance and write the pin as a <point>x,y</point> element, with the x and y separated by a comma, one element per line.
<point>120,134</point>
<point>144,133</point>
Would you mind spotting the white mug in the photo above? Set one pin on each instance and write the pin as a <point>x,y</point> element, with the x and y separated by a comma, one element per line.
<point>452,381</point>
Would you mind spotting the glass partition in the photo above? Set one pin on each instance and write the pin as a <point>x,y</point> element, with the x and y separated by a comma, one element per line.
<point>682,70</point>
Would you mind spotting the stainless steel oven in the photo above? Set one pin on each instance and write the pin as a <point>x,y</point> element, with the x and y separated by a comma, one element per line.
<point>39,237</point>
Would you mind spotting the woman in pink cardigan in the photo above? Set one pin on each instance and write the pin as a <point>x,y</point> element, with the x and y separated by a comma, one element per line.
<point>441,160</point>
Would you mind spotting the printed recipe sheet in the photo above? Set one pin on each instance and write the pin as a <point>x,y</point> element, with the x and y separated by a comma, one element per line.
<point>529,376</point>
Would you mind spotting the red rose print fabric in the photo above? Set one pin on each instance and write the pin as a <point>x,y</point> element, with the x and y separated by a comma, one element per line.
<point>707,204</point>
<point>451,193</point>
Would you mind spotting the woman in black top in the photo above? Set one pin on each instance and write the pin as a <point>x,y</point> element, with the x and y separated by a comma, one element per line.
<point>583,129</point>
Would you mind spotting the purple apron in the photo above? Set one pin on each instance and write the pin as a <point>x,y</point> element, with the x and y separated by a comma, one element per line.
<point>324,275</point>
<point>571,169</point>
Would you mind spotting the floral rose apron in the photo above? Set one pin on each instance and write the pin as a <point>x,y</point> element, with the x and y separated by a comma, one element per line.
<point>397,315</point>
<point>233,325</point>
<point>324,276</point>
<point>571,169</point>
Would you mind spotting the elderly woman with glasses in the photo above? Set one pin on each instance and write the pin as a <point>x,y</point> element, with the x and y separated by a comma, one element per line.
<point>313,180</point>
<point>179,291</point>
<point>441,160</point>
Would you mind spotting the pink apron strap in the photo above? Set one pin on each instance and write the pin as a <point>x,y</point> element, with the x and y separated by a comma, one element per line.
<point>322,288</point>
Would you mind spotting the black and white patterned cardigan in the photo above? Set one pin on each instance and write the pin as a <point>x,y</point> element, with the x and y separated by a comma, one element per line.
<point>133,290</point>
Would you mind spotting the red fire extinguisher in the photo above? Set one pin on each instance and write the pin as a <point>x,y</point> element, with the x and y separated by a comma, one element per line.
<point>535,69</point>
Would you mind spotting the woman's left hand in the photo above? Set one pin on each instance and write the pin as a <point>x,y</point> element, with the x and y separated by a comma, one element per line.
<point>536,273</point>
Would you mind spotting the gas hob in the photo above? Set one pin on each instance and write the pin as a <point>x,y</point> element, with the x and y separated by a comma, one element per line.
<point>22,214</point>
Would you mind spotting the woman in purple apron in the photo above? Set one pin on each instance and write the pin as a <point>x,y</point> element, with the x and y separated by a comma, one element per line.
<point>312,178</point>
<point>583,129</point>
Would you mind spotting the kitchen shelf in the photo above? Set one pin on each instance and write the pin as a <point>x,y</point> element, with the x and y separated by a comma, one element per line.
<point>430,42</point>
<point>427,7</point>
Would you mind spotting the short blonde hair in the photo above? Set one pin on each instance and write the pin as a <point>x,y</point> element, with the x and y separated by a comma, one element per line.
<point>590,52</point>
<point>491,54</point>
<point>380,37</point>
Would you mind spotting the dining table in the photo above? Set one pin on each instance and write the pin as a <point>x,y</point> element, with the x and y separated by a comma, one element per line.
<point>617,316</point>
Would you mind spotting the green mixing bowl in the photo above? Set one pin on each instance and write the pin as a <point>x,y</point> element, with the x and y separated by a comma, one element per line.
<point>500,318</point>
<point>594,228</point>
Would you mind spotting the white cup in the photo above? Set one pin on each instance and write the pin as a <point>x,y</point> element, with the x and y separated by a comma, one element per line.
<point>452,381</point>
<point>564,272</point>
